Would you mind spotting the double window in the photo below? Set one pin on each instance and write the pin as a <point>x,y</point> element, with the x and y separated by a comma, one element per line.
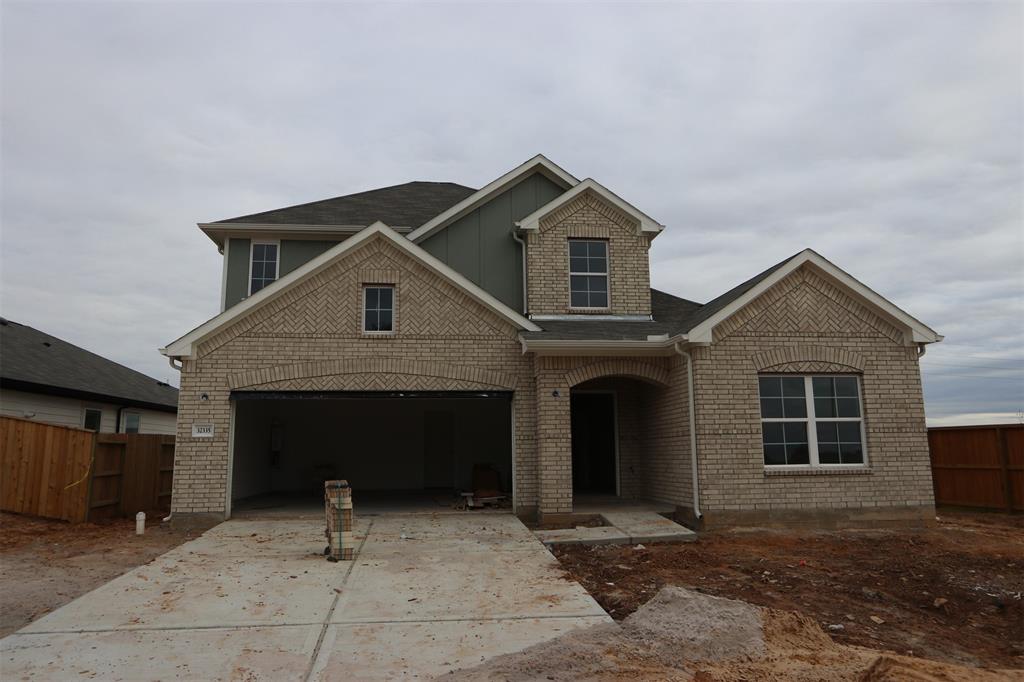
<point>263,265</point>
<point>378,308</point>
<point>811,421</point>
<point>588,273</point>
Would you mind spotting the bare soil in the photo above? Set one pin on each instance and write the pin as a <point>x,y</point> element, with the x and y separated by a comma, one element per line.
<point>44,564</point>
<point>951,593</point>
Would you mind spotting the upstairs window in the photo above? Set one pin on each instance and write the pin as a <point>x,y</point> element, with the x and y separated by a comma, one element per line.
<point>378,308</point>
<point>811,421</point>
<point>263,265</point>
<point>588,273</point>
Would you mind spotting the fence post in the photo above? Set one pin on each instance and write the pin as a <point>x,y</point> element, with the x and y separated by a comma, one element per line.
<point>1004,462</point>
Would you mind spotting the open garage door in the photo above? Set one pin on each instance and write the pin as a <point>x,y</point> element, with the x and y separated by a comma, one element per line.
<point>411,445</point>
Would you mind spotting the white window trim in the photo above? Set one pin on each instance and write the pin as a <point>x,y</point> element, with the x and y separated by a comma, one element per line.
<point>812,431</point>
<point>277,265</point>
<point>606,274</point>
<point>86,410</point>
<point>124,420</point>
<point>362,309</point>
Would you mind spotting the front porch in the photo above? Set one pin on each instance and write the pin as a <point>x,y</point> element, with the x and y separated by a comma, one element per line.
<point>613,438</point>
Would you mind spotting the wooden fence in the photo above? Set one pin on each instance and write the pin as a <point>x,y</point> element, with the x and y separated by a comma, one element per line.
<point>77,475</point>
<point>978,466</point>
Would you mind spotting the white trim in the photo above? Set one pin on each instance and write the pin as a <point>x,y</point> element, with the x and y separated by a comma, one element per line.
<point>647,223</point>
<point>362,316</point>
<point>615,428</point>
<point>277,264</point>
<point>185,346</point>
<point>218,232</point>
<point>659,346</point>
<point>812,419</point>
<point>539,162</point>
<point>918,332</point>
<point>224,276</point>
<point>591,318</point>
<point>606,274</point>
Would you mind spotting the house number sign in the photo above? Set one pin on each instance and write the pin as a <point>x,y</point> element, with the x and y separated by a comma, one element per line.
<point>202,430</point>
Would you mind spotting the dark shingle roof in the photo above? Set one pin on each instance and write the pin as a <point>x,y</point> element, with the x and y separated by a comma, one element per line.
<point>672,315</point>
<point>408,205</point>
<point>33,361</point>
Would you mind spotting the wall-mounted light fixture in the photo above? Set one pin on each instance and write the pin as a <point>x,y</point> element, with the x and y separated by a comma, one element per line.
<point>204,396</point>
<point>555,393</point>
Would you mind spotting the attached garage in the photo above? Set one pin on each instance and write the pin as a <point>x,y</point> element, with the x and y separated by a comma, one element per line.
<point>389,445</point>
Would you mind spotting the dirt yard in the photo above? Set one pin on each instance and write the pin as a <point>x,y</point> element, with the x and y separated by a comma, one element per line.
<point>45,564</point>
<point>951,593</point>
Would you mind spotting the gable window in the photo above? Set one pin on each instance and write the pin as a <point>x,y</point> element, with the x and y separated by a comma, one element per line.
<point>378,308</point>
<point>588,273</point>
<point>92,418</point>
<point>811,421</point>
<point>263,265</point>
<point>132,422</point>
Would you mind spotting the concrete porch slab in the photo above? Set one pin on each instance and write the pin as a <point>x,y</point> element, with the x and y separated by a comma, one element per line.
<point>648,527</point>
<point>583,535</point>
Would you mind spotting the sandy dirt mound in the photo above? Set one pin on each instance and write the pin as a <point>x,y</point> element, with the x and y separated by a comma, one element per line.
<point>685,635</point>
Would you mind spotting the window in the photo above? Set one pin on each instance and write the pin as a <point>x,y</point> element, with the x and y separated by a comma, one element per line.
<point>132,422</point>
<point>91,418</point>
<point>811,421</point>
<point>588,273</point>
<point>378,308</point>
<point>262,265</point>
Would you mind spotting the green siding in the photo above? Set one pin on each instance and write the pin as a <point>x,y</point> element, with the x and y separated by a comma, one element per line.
<point>238,272</point>
<point>480,245</point>
<point>294,252</point>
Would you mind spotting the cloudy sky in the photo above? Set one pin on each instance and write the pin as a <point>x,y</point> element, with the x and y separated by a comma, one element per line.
<point>886,136</point>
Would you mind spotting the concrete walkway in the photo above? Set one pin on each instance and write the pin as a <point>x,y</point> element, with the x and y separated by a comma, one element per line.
<point>622,528</point>
<point>255,599</point>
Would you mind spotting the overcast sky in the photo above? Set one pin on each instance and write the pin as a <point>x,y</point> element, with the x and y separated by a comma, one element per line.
<point>886,136</point>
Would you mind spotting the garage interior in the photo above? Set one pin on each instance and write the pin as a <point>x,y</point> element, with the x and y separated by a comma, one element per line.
<point>406,449</point>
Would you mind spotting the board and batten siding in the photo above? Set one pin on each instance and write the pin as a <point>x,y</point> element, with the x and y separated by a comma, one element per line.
<point>480,247</point>
<point>62,411</point>
<point>294,252</point>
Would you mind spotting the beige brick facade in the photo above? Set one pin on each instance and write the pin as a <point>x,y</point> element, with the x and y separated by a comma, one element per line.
<point>547,258</point>
<point>807,324</point>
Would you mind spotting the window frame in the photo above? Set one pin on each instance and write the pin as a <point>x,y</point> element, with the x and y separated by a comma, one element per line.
<point>277,262</point>
<point>811,419</point>
<point>606,274</point>
<point>85,415</point>
<point>124,421</point>
<point>394,304</point>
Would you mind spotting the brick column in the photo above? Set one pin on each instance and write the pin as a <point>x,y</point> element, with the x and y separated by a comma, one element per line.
<point>554,443</point>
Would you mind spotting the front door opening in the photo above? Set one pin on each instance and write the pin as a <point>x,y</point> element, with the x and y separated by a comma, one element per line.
<point>593,443</point>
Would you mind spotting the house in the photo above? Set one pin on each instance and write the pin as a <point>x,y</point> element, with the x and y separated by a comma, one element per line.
<point>45,379</point>
<point>402,337</point>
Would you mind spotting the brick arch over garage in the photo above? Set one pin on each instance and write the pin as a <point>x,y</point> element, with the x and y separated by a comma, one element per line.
<point>427,372</point>
<point>621,367</point>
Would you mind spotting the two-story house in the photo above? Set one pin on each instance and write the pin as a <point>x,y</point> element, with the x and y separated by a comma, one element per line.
<point>404,337</point>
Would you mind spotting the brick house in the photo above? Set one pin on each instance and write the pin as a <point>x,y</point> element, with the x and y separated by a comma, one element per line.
<point>406,337</point>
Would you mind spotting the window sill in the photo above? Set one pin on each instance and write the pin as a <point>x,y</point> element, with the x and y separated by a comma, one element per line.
<point>820,471</point>
<point>378,335</point>
<point>589,311</point>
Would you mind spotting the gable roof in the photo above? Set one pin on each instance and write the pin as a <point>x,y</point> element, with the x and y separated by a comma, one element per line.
<point>698,328</point>
<point>407,205</point>
<point>538,164</point>
<point>185,346</point>
<point>37,362</point>
<point>647,223</point>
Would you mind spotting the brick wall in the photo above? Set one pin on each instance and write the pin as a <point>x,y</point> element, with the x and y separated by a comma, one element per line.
<point>805,324</point>
<point>547,258</point>
<point>310,338</point>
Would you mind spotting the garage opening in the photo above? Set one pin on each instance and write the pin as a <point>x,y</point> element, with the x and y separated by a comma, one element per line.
<point>397,450</point>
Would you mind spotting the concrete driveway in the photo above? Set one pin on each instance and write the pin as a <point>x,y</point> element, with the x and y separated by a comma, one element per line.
<point>255,599</point>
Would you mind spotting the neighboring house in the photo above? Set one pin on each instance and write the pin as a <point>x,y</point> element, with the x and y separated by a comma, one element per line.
<point>403,336</point>
<point>45,379</point>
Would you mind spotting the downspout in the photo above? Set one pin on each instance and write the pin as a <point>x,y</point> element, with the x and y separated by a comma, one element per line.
<point>171,360</point>
<point>523,261</point>
<point>921,350</point>
<point>691,400</point>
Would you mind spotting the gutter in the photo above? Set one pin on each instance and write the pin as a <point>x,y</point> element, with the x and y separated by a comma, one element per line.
<point>654,345</point>
<point>691,400</point>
